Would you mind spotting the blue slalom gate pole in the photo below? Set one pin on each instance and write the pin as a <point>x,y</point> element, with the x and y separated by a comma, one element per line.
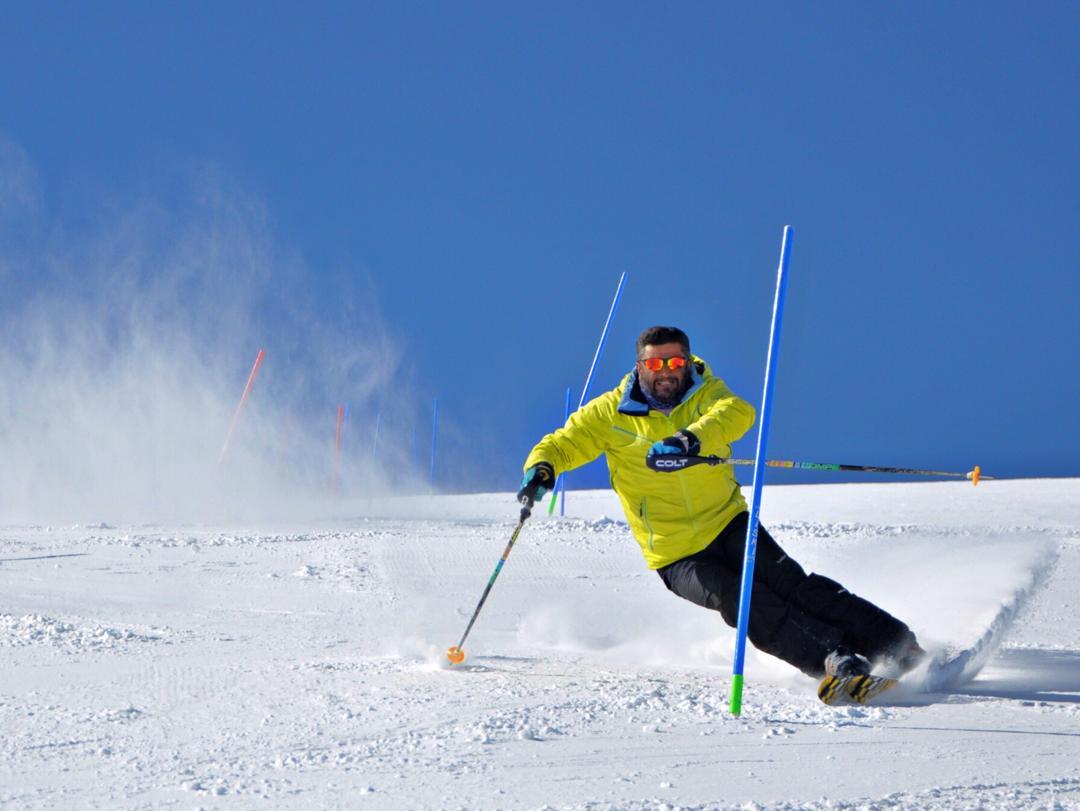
<point>434,438</point>
<point>592,367</point>
<point>759,477</point>
<point>562,480</point>
<point>375,441</point>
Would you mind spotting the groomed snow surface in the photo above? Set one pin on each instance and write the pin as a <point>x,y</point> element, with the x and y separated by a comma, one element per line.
<point>303,666</point>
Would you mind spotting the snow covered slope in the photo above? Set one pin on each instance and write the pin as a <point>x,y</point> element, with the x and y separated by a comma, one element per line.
<point>224,666</point>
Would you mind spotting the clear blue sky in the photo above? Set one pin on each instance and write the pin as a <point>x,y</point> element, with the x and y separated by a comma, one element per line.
<point>492,168</point>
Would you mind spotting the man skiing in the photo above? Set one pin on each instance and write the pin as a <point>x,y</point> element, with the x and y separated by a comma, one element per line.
<point>691,525</point>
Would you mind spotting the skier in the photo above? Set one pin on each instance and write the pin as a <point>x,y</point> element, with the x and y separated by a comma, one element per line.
<point>691,525</point>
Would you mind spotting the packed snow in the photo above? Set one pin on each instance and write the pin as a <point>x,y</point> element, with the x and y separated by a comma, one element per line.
<point>303,665</point>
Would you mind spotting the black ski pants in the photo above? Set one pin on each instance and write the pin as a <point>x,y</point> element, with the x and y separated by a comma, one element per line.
<point>797,617</point>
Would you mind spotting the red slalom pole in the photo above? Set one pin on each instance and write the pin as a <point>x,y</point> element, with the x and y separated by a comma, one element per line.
<point>240,405</point>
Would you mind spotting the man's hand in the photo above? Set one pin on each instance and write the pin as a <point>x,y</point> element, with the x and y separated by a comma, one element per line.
<point>683,443</point>
<point>537,481</point>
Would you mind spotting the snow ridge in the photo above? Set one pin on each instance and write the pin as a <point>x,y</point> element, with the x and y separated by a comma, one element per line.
<point>34,629</point>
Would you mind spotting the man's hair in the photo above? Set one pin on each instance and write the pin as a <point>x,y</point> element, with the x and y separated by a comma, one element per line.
<point>654,336</point>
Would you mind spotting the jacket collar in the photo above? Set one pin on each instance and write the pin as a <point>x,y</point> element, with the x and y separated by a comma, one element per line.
<point>633,401</point>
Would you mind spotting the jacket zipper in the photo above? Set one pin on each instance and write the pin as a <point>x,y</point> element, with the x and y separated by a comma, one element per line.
<point>685,493</point>
<point>643,511</point>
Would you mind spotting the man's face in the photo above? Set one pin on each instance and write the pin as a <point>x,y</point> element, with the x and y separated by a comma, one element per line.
<point>666,385</point>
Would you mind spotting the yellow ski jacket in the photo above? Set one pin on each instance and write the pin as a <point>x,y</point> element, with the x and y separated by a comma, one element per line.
<point>671,515</point>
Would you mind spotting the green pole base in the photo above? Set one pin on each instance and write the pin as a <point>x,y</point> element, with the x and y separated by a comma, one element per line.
<point>736,694</point>
<point>554,494</point>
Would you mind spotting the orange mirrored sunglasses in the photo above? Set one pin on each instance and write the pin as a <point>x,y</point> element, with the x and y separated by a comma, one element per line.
<point>656,364</point>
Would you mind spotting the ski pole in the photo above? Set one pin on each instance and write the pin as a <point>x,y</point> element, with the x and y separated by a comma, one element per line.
<point>455,654</point>
<point>670,463</point>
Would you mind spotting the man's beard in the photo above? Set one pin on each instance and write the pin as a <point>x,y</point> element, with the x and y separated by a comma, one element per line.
<point>674,397</point>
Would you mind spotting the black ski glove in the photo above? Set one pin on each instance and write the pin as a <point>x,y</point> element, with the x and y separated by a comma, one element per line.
<point>683,443</point>
<point>537,481</point>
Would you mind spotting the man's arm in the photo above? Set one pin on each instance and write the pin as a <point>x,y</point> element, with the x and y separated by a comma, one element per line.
<point>725,421</point>
<point>586,435</point>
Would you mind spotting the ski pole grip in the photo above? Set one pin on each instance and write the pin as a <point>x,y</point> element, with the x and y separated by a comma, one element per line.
<point>674,462</point>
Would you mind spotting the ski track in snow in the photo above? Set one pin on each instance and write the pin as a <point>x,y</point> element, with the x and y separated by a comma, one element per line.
<point>152,666</point>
